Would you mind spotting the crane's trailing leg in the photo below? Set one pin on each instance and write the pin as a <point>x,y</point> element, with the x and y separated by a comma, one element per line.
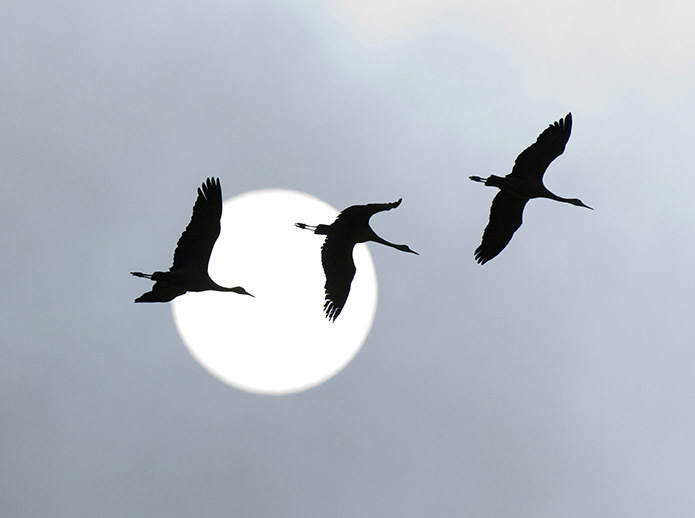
<point>140,274</point>
<point>305,226</point>
<point>492,181</point>
<point>316,229</point>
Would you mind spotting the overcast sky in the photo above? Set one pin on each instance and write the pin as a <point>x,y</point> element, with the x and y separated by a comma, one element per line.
<point>556,380</point>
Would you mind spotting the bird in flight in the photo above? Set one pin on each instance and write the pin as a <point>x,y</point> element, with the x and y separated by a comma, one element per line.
<point>349,228</point>
<point>192,255</point>
<point>523,183</point>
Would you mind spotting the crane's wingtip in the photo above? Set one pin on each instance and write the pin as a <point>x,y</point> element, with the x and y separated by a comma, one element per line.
<point>331,310</point>
<point>480,259</point>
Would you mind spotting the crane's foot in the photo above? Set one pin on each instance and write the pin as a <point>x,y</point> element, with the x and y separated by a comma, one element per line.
<point>478,179</point>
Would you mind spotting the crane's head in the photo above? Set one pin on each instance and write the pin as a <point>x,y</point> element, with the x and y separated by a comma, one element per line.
<point>405,248</point>
<point>239,290</point>
<point>579,203</point>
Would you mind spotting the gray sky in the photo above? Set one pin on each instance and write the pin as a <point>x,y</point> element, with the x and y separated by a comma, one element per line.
<point>556,380</point>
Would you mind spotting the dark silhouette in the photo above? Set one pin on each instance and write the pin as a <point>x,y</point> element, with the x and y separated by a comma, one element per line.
<point>349,228</point>
<point>523,183</point>
<point>190,269</point>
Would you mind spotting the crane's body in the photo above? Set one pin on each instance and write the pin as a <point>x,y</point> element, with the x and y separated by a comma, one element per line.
<point>189,271</point>
<point>525,182</point>
<point>349,228</point>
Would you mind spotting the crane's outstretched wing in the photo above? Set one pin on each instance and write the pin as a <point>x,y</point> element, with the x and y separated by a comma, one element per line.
<point>360,214</point>
<point>195,244</point>
<point>336,257</point>
<point>535,159</point>
<point>505,218</point>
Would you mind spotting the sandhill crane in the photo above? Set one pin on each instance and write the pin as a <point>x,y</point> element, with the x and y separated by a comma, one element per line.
<point>192,255</point>
<point>523,183</point>
<point>349,228</point>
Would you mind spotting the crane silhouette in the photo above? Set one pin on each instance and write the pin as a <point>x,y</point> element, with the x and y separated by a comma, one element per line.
<point>523,183</point>
<point>189,272</point>
<point>349,228</point>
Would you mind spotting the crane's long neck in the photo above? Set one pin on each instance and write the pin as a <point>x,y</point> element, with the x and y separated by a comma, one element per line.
<point>571,201</point>
<point>403,248</point>
<point>555,197</point>
<point>235,289</point>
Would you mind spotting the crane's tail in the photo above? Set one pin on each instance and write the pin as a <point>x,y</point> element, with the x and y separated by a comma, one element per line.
<point>140,274</point>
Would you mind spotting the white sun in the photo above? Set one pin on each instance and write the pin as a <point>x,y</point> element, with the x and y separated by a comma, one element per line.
<point>280,341</point>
